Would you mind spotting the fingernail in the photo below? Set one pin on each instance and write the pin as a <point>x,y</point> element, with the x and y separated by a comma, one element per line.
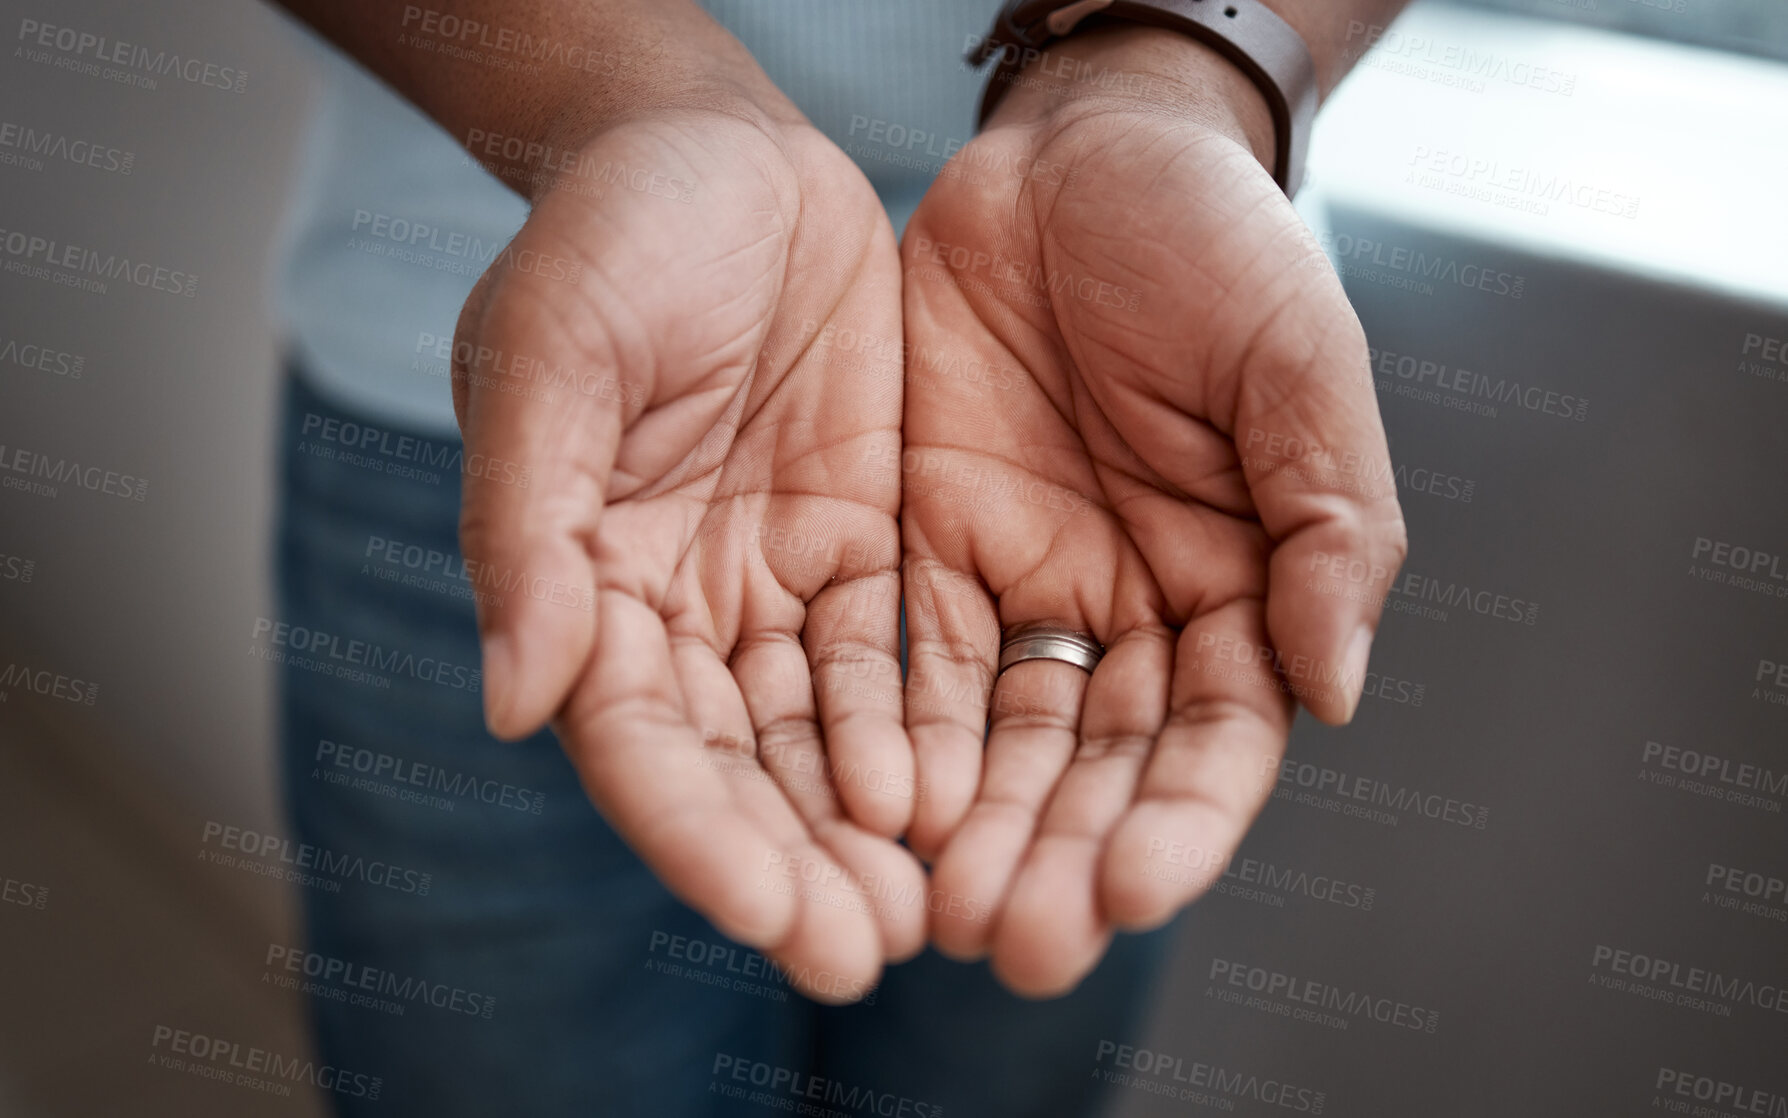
<point>499,674</point>
<point>1359,652</point>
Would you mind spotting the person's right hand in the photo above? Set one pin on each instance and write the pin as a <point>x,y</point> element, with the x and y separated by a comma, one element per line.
<point>729,491</point>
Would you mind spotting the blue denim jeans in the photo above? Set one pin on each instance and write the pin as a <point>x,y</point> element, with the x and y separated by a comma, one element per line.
<point>539,968</point>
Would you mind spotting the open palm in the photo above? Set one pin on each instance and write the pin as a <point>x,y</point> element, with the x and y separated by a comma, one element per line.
<point>1119,367</point>
<point>725,489</point>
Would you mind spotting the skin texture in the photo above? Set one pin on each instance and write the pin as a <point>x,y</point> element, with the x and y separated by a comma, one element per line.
<point>688,490</point>
<point>723,485</point>
<point>695,445</point>
<point>1123,469</point>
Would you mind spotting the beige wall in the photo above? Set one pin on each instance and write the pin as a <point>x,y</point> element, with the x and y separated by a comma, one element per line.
<point>102,805</point>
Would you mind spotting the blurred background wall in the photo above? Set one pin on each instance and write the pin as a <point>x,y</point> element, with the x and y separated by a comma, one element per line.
<point>145,606</point>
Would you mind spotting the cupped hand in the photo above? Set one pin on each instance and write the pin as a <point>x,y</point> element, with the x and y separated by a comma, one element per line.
<point>684,511</point>
<point>1138,405</point>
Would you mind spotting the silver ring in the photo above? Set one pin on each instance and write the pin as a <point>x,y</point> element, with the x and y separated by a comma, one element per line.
<point>1043,640</point>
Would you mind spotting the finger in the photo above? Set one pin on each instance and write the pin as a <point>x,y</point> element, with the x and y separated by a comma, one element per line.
<point>834,952</point>
<point>833,949</point>
<point>1036,724</point>
<point>1228,717</point>
<point>1314,454</point>
<point>721,836</point>
<point>801,867</point>
<point>952,645</point>
<point>1053,929</point>
<point>887,880</point>
<point>717,710</point>
<point>535,478</point>
<point>772,673</point>
<point>774,677</point>
<point>831,534</point>
<point>852,638</point>
<point>642,761</point>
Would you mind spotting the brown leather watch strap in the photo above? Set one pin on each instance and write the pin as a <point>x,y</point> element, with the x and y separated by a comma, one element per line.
<point>1247,32</point>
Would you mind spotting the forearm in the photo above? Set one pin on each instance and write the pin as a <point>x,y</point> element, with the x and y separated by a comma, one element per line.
<point>549,73</point>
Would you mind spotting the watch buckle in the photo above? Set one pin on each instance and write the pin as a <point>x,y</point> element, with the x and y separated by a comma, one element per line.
<point>1064,19</point>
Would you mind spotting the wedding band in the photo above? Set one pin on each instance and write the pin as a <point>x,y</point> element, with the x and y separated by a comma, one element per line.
<point>1041,640</point>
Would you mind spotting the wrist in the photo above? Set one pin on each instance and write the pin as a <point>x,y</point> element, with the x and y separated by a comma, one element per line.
<point>1127,67</point>
<point>574,122</point>
<point>674,60</point>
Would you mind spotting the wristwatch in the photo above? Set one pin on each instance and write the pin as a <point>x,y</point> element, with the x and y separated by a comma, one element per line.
<point>1246,32</point>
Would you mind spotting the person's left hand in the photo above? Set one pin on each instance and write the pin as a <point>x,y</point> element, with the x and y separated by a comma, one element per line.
<point>1138,404</point>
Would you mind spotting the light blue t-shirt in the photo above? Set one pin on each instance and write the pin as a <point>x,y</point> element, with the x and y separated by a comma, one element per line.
<point>393,223</point>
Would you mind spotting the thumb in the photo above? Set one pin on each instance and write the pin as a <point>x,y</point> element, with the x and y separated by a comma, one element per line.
<point>538,455</point>
<point>1313,451</point>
